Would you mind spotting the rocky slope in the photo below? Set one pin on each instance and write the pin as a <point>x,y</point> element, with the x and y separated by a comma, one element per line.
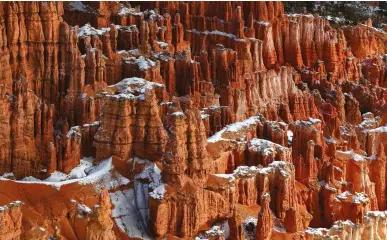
<point>213,120</point>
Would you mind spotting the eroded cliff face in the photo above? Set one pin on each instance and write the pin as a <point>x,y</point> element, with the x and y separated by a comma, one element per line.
<point>42,74</point>
<point>11,220</point>
<point>229,120</point>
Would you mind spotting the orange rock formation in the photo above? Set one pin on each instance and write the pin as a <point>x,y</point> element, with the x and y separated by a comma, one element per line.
<point>217,120</point>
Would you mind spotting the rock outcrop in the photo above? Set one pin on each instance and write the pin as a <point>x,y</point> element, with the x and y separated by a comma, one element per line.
<point>265,220</point>
<point>100,225</point>
<point>11,220</point>
<point>265,123</point>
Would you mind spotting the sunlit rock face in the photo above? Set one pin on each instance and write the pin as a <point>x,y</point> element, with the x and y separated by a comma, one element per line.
<point>183,120</point>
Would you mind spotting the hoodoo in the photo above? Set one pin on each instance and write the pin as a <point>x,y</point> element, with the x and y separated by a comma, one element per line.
<point>193,120</point>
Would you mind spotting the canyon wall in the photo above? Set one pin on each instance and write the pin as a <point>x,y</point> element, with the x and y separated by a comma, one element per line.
<point>260,124</point>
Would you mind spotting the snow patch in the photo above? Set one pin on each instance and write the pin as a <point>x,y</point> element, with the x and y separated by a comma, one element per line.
<point>379,130</point>
<point>126,215</point>
<point>83,210</point>
<point>79,6</point>
<point>163,44</point>
<point>230,177</point>
<point>11,204</point>
<point>129,11</point>
<point>290,136</point>
<point>101,175</point>
<point>265,147</point>
<point>158,193</point>
<point>133,88</point>
<point>246,171</point>
<point>338,20</point>
<point>329,140</point>
<point>356,198</point>
<point>263,23</point>
<point>88,30</point>
<point>354,156</point>
<point>130,206</point>
<point>234,127</point>
<point>216,33</point>
<point>74,131</point>
<point>315,120</point>
<point>144,63</point>
<point>316,231</point>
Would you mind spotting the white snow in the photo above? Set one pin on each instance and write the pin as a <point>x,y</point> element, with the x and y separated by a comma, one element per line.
<point>357,157</point>
<point>79,6</point>
<point>128,11</point>
<point>88,30</point>
<point>230,177</point>
<point>375,29</point>
<point>14,203</point>
<point>76,173</point>
<point>152,173</point>
<point>382,214</point>
<point>126,215</point>
<point>366,124</point>
<point>266,147</point>
<point>204,116</point>
<point>290,136</point>
<point>310,121</point>
<point>357,198</point>
<point>246,171</point>
<point>335,19</point>
<point>344,195</point>
<point>329,140</point>
<point>177,114</point>
<point>31,179</point>
<point>131,28</point>
<point>234,127</point>
<point>142,62</point>
<point>315,120</point>
<point>158,193</point>
<point>352,155</point>
<point>57,177</point>
<point>83,210</point>
<point>263,23</point>
<point>279,229</point>
<point>216,33</point>
<point>219,229</point>
<point>101,175</point>
<point>299,15</point>
<point>215,231</point>
<point>247,123</point>
<point>360,198</point>
<point>96,123</point>
<point>347,224</point>
<point>316,231</point>
<point>74,131</point>
<point>133,88</point>
<point>379,130</point>
<point>163,44</point>
<point>266,170</point>
<point>8,175</point>
<point>327,187</point>
<point>130,206</point>
<point>276,166</point>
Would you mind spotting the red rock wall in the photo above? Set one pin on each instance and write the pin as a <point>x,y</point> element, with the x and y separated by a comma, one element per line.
<point>11,220</point>
<point>166,84</point>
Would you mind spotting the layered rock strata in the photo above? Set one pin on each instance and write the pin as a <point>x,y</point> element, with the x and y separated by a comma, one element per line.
<point>268,124</point>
